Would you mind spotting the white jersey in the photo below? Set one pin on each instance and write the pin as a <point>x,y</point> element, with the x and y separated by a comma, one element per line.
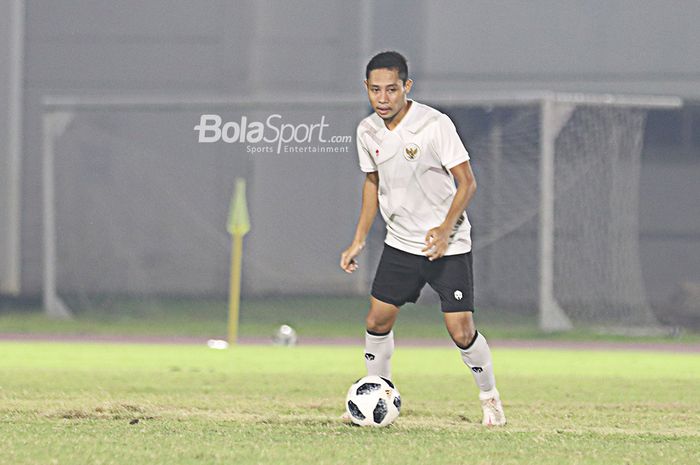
<point>416,187</point>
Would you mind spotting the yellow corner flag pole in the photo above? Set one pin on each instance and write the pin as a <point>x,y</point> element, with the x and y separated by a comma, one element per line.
<point>238,226</point>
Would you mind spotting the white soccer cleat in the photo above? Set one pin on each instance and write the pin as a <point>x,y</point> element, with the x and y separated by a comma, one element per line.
<point>492,407</point>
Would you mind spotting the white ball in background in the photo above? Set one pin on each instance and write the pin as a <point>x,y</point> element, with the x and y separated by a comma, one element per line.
<point>285,336</point>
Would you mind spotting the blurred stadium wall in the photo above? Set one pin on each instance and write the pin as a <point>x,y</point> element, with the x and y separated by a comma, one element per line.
<point>266,48</point>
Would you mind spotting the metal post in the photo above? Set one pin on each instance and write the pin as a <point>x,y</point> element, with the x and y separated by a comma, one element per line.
<point>12,282</point>
<point>552,317</point>
<point>53,125</point>
<point>495,214</point>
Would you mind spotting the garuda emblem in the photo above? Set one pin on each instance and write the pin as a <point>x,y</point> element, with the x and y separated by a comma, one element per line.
<point>411,152</point>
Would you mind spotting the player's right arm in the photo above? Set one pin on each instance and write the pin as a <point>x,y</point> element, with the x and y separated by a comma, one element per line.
<point>368,211</point>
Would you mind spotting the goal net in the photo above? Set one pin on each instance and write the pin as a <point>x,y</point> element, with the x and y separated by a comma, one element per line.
<point>556,217</point>
<point>136,201</point>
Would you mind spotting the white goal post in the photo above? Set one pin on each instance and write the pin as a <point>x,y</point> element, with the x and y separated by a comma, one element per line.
<point>554,112</point>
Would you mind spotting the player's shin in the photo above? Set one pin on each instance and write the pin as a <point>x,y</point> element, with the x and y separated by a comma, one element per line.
<point>378,351</point>
<point>477,356</point>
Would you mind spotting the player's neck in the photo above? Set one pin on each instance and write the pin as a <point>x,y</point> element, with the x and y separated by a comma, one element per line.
<point>391,125</point>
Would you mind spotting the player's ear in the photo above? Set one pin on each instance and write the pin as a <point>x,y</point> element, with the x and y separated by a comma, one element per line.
<point>366,85</point>
<point>408,85</point>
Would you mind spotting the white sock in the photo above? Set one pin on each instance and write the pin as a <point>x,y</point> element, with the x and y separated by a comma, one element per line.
<point>378,351</point>
<point>478,358</point>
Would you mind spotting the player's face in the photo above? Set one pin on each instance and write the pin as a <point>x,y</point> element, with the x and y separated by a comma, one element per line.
<point>387,93</point>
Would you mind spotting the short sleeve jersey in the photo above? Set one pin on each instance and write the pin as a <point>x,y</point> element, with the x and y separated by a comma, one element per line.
<point>416,186</point>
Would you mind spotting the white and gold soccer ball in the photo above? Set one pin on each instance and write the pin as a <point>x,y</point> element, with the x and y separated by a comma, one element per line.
<point>373,401</point>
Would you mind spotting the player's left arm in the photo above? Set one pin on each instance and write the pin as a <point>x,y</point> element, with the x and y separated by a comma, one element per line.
<point>438,239</point>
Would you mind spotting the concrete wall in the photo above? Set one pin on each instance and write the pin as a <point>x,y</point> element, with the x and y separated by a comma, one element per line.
<point>158,48</point>
<point>647,46</point>
<point>669,223</point>
<point>269,47</point>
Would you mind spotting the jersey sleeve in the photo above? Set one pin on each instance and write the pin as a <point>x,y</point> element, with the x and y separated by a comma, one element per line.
<point>448,145</point>
<point>367,164</point>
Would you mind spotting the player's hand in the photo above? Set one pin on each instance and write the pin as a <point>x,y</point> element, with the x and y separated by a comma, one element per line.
<point>347,259</point>
<point>436,242</point>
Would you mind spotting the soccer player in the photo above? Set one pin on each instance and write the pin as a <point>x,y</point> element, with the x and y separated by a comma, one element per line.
<point>412,157</point>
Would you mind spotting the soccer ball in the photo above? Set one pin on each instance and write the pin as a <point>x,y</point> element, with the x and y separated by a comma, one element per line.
<point>373,401</point>
<point>285,336</point>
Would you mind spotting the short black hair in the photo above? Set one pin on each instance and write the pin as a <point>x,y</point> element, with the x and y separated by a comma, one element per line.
<point>391,60</point>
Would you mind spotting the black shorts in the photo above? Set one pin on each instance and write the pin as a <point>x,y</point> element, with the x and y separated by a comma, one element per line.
<point>401,276</point>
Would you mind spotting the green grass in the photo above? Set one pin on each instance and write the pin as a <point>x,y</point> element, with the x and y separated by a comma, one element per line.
<point>75,404</point>
<point>310,316</point>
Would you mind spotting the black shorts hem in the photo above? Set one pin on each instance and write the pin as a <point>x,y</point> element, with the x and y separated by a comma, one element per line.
<point>389,300</point>
<point>456,310</point>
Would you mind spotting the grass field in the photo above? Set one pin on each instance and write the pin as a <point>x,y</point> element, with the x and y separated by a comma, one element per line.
<point>164,404</point>
<point>310,316</point>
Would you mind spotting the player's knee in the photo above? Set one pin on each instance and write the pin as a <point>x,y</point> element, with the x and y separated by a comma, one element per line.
<point>462,336</point>
<point>377,325</point>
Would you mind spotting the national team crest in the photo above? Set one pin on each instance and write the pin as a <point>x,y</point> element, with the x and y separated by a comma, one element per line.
<point>411,151</point>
